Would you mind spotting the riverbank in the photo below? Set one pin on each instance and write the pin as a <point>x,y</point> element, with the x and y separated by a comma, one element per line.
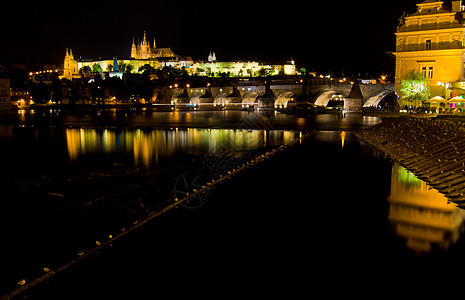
<point>431,148</point>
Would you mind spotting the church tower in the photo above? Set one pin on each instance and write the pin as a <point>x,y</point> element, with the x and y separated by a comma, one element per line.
<point>142,50</point>
<point>145,52</point>
<point>133,49</point>
<point>70,67</point>
<point>212,57</point>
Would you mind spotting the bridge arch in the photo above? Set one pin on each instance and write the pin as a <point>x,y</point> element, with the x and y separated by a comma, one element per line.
<point>324,98</point>
<point>283,99</point>
<point>377,97</point>
<point>195,99</point>
<point>250,98</point>
<point>174,100</point>
<point>177,99</point>
<point>220,99</point>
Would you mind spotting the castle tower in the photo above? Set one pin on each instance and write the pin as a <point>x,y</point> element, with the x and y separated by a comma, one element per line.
<point>70,67</point>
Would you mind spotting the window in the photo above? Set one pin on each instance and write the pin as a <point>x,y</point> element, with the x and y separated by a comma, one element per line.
<point>427,71</point>
<point>430,72</point>
<point>428,44</point>
<point>423,71</point>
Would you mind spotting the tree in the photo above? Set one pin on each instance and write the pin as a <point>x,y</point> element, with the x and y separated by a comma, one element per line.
<point>147,69</point>
<point>415,88</point>
<point>96,68</point>
<point>85,70</point>
<point>129,68</point>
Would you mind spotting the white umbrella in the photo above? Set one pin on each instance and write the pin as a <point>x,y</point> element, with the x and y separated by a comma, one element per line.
<point>455,99</point>
<point>436,100</point>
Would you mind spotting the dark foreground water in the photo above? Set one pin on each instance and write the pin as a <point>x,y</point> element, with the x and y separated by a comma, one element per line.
<point>328,215</point>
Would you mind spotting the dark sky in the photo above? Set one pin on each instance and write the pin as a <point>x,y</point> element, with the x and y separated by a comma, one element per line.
<point>321,35</point>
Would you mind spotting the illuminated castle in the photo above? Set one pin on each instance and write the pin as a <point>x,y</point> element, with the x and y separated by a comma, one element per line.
<point>143,54</point>
<point>144,51</point>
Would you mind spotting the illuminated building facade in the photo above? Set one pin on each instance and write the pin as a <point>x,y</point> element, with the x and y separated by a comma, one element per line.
<point>212,67</point>
<point>107,65</point>
<point>431,41</point>
<point>70,66</point>
<point>143,54</point>
<point>144,51</point>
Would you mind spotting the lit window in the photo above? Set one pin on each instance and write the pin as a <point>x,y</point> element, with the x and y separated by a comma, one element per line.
<point>430,72</point>
<point>424,71</point>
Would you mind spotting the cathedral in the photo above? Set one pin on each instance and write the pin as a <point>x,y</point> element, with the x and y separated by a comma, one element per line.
<point>143,50</point>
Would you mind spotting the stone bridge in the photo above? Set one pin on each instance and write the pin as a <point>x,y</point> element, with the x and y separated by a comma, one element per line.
<point>274,94</point>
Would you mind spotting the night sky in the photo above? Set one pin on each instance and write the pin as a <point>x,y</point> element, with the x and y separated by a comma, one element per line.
<point>352,36</point>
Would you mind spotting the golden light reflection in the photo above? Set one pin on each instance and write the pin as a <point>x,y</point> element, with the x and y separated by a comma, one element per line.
<point>147,146</point>
<point>421,215</point>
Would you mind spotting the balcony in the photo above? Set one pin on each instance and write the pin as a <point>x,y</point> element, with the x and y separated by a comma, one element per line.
<point>432,26</point>
<point>430,46</point>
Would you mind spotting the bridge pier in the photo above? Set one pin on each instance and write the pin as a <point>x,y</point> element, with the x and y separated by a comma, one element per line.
<point>267,95</point>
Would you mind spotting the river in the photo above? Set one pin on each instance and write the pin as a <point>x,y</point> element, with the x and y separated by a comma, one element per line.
<point>71,180</point>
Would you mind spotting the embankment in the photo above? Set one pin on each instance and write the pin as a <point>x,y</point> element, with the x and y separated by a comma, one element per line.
<point>433,149</point>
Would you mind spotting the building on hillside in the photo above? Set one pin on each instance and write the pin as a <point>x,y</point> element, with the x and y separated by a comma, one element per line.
<point>103,66</point>
<point>164,56</point>
<point>432,41</point>
<point>143,54</point>
<point>212,67</point>
<point>70,66</point>
<point>143,50</point>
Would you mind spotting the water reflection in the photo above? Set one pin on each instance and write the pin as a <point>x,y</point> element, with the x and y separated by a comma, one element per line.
<point>147,146</point>
<point>334,137</point>
<point>421,215</point>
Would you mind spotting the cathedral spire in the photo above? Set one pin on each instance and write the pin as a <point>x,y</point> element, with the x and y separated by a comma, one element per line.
<point>133,49</point>
<point>154,43</point>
